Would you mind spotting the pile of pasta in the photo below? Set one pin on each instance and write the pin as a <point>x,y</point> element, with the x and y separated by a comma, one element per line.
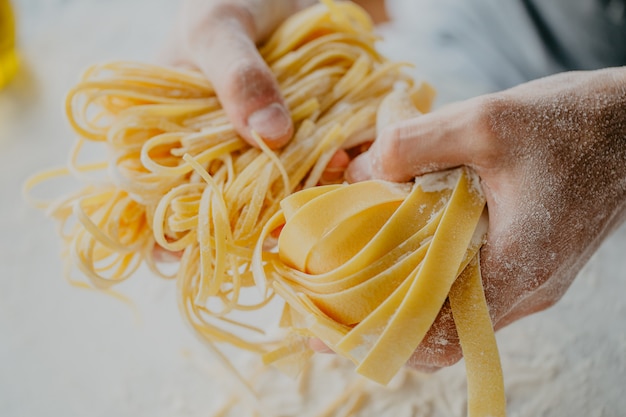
<point>363,267</point>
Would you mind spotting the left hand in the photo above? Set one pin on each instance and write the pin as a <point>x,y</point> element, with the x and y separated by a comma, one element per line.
<point>551,155</point>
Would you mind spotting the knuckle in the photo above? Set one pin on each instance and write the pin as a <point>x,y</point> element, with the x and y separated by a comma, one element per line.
<point>435,356</point>
<point>442,351</point>
<point>387,155</point>
<point>489,107</point>
<point>490,127</point>
<point>440,347</point>
<point>251,79</point>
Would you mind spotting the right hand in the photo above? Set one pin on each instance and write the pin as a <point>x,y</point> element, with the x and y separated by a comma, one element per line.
<point>219,38</point>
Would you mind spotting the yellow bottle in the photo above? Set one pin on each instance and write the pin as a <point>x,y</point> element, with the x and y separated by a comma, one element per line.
<point>8,55</point>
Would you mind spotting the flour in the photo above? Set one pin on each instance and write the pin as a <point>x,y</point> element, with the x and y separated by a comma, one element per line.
<point>412,394</point>
<point>438,181</point>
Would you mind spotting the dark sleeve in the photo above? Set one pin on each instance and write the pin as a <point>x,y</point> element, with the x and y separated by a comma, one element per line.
<point>581,34</point>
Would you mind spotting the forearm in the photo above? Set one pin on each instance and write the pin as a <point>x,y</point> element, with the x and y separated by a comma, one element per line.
<point>606,126</point>
<point>616,120</point>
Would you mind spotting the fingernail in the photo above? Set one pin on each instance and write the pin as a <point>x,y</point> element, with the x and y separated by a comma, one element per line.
<point>272,123</point>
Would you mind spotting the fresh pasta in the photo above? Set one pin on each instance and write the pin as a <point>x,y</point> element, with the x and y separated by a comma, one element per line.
<point>389,261</point>
<point>352,264</point>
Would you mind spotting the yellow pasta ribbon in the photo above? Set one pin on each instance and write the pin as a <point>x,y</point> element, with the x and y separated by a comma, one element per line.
<point>404,278</point>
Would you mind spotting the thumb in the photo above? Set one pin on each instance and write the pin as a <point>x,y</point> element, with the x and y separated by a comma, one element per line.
<point>224,49</point>
<point>449,137</point>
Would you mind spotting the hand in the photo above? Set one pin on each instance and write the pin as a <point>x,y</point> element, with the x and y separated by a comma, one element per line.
<point>219,38</point>
<point>551,155</point>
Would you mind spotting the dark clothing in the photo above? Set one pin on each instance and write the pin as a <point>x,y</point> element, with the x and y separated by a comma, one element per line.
<point>468,47</point>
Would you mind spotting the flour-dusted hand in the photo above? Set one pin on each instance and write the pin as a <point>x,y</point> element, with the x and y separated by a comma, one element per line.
<point>551,155</point>
<point>220,38</point>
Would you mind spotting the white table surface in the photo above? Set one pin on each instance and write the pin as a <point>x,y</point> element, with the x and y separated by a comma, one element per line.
<point>68,352</point>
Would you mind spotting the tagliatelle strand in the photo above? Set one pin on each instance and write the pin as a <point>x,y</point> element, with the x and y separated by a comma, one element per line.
<point>485,386</point>
<point>393,322</point>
